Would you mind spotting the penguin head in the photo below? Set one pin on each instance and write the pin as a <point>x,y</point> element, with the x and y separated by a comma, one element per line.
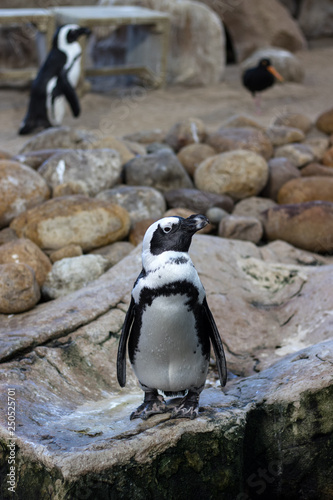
<point>171,234</point>
<point>68,34</point>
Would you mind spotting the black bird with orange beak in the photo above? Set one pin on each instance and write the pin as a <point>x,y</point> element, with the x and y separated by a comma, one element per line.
<point>260,78</point>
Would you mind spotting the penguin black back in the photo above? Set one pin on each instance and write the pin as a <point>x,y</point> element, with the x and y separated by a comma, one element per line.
<point>55,81</point>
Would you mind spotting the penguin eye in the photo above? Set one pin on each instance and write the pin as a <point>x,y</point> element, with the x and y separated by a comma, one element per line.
<point>167,229</point>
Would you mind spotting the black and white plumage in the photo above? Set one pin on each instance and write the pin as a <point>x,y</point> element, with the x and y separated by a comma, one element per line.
<point>56,81</point>
<point>169,326</point>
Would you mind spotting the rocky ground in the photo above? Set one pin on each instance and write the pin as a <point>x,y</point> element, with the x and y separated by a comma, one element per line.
<point>124,113</point>
<point>270,431</point>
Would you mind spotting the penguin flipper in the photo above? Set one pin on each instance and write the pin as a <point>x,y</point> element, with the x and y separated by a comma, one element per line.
<point>70,93</point>
<point>216,343</point>
<point>121,356</point>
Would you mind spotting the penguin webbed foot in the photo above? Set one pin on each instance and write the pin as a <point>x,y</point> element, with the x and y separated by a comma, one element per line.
<point>188,408</point>
<point>153,404</point>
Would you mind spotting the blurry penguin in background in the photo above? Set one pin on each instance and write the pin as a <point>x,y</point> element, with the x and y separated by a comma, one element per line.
<point>56,81</point>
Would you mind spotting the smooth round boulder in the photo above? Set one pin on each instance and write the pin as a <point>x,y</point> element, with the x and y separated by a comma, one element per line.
<point>192,155</point>
<point>308,226</point>
<point>306,189</point>
<point>299,154</point>
<point>77,220</point>
<point>99,169</point>
<point>24,251</point>
<point>252,207</point>
<point>141,202</point>
<point>161,170</point>
<point>20,189</point>
<point>324,122</point>
<point>19,290</point>
<point>232,138</point>
<point>239,174</point>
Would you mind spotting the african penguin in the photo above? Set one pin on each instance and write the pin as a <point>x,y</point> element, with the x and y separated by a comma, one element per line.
<point>56,81</point>
<point>169,326</point>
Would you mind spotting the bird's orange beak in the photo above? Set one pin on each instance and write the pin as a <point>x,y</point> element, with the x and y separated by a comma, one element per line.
<point>277,75</point>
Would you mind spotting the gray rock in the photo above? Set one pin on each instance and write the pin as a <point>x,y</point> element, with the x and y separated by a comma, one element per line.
<point>154,147</point>
<point>280,171</point>
<point>245,22</point>
<point>141,202</point>
<point>286,63</point>
<point>315,19</point>
<point>198,201</point>
<point>240,227</point>
<point>161,170</point>
<point>216,214</point>
<point>252,207</point>
<point>99,169</point>
<point>73,273</point>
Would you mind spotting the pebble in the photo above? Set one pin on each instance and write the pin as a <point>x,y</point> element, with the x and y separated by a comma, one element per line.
<point>65,252</point>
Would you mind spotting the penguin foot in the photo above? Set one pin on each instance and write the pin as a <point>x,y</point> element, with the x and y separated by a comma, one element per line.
<point>153,404</point>
<point>188,408</point>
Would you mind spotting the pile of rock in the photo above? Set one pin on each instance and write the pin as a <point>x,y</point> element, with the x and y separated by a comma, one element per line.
<point>74,203</point>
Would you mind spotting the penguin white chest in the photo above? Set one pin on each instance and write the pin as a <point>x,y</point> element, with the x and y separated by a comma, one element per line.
<point>169,356</point>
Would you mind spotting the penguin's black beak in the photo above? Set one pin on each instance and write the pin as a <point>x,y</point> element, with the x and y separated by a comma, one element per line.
<point>194,223</point>
<point>83,31</point>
